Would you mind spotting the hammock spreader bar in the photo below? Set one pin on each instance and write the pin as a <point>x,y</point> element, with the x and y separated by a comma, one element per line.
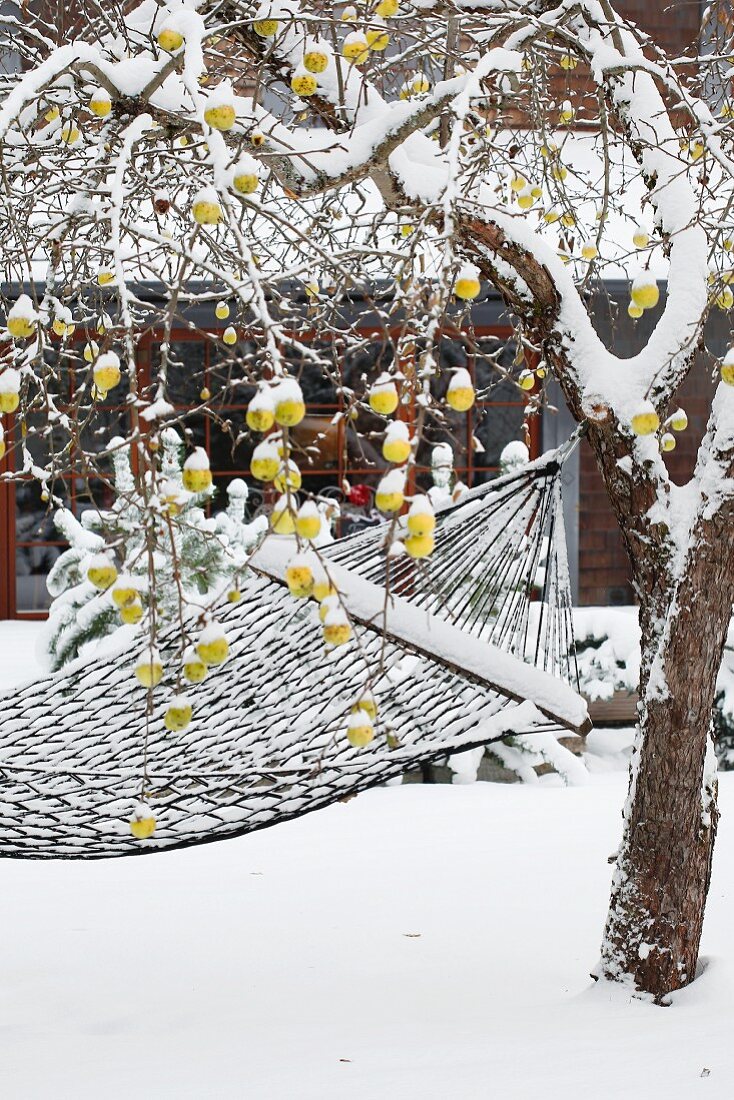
<point>421,633</point>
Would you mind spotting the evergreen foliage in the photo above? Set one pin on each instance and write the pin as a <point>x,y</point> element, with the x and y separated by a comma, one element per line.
<point>207,553</point>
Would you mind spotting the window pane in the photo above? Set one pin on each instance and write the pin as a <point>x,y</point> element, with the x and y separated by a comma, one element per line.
<point>185,376</point>
<point>317,440</point>
<point>495,427</point>
<point>492,353</point>
<point>230,441</point>
<point>318,378</point>
<point>35,553</point>
<point>229,371</point>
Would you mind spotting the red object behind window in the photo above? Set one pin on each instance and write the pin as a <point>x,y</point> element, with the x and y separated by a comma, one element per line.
<point>360,495</point>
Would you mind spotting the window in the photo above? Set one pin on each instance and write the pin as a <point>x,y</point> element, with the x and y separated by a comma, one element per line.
<point>339,457</point>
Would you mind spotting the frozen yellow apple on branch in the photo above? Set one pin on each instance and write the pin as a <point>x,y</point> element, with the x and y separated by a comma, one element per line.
<point>212,645</point>
<point>367,703</point>
<point>526,198</point>
<point>102,572</point>
<point>336,629</point>
<point>196,475</point>
<point>100,102</point>
<point>397,444</point>
<point>726,369</point>
<point>283,517</point>
<point>205,207</point>
<point>360,731</point>
<point>355,48</point>
<point>125,591</point>
<point>265,25</point>
<point>390,495</point>
<point>22,318</point>
<point>378,36</point>
<point>677,421</point>
<point>260,414</point>
<point>646,421</point>
<point>178,713</point>
<point>308,521</point>
<point>419,546</point>
<point>641,237</point>
<point>421,519</point>
<point>645,293</point>
<point>106,372</point>
<point>303,82</point>
<point>288,477</point>
<point>142,823</point>
<point>219,112</point>
<point>460,395</point>
<point>172,497</point>
<point>316,56</point>
<point>290,407</point>
<point>149,668</point>
<point>419,84</point>
<point>132,613</point>
<point>299,576</point>
<point>467,285</point>
<point>63,322</point>
<point>383,395</point>
<point>194,669</point>
<point>170,38</point>
<point>9,390</point>
<point>246,175</point>
<point>70,133</point>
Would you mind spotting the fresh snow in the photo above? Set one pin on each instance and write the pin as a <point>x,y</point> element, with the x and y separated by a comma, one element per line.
<point>415,943</point>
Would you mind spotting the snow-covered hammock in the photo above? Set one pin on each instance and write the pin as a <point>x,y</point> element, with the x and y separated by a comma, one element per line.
<point>472,646</point>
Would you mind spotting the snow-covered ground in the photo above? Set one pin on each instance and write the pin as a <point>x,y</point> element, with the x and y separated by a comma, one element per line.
<point>420,942</point>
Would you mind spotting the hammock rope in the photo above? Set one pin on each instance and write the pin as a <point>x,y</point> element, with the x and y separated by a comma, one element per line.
<point>447,666</point>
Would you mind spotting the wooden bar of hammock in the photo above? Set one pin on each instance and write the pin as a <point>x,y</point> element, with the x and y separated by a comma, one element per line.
<point>271,560</point>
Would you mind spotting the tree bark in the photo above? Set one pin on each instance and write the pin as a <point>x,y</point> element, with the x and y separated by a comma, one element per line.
<point>663,869</point>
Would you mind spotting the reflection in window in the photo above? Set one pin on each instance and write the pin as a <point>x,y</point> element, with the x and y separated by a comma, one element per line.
<point>37,544</point>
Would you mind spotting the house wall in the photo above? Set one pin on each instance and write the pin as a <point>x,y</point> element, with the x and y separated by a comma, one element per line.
<point>672,24</point>
<point>603,570</point>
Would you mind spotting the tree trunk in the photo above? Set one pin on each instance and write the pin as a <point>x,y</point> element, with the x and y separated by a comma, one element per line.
<point>663,867</point>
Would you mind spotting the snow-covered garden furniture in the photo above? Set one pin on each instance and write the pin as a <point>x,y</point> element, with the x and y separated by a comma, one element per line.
<point>446,656</point>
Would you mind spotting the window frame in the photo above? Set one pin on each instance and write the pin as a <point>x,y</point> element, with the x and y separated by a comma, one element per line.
<point>8,527</point>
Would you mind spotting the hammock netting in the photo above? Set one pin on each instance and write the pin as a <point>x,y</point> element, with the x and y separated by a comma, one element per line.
<point>268,741</point>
